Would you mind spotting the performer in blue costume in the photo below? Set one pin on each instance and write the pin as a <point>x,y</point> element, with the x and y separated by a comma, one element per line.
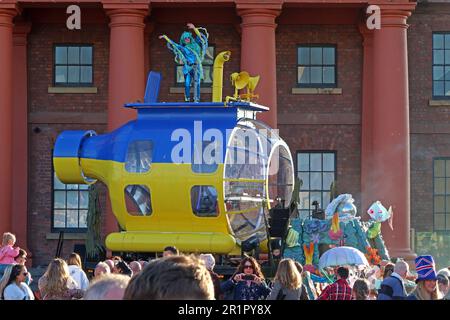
<point>190,52</point>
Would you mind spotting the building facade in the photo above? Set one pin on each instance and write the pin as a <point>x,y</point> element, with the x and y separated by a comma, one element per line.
<point>368,109</point>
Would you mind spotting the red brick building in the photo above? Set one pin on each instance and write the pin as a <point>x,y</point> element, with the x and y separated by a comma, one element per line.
<point>369,109</point>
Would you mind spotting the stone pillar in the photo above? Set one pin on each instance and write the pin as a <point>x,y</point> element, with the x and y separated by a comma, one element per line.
<point>6,117</point>
<point>258,56</point>
<point>390,161</point>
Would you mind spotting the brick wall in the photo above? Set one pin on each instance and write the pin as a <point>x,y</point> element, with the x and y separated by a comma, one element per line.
<point>40,77</point>
<point>341,132</point>
<point>430,126</point>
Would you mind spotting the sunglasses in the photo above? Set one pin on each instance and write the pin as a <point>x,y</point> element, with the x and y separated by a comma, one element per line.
<point>25,274</point>
<point>248,267</point>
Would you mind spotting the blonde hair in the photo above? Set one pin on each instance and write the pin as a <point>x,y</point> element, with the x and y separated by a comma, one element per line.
<point>74,259</point>
<point>99,288</point>
<point>8,236</point>
<point>4,280</point>
<point>287,274</point>
<point>57,278</point>
<point>422,294</point>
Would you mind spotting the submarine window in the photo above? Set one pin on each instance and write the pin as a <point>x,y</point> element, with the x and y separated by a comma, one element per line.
<point>205,162</point>
<point>204,201</point>
<point>138,200</point>
<point>139,156</point>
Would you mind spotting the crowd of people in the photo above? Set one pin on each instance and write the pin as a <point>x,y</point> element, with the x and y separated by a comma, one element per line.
<point>180,276</point>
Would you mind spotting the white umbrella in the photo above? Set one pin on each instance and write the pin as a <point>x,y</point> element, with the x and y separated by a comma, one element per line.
<point>341,256</point>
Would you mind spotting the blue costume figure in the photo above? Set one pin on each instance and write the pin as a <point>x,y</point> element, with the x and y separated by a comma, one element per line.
<point>190,52</point>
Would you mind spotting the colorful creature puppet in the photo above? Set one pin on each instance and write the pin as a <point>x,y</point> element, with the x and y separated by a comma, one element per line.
<point>190,52</point>
<point>344,206</point>
<point>379,214</point>
<point>335,232</point>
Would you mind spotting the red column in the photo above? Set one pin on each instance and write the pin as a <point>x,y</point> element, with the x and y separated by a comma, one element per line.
<point>20,134</point>
<point>258,55</point>
<point>126,72</point>
<point>390,126</point>
<point>6,112</point>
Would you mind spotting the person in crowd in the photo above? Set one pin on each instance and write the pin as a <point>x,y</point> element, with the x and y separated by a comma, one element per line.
<point>340,289</point>
<point>287,284</point>
<point>102,268</point>
<point>76,271</point>
<point>427,288</point>
<point>121,267</point>
<point>108,287</point>
<point>135,267</point>
<point>143,263</point>
<point>7,251</point>
<point>172,278</point>
<point>308,290</point>
<point>57,284</point>
<point>110,264</point>
<point>16,288</point>
<point>247,283</point>
<point>443,283</point>
<point>361,290</point>
<point>210,262</point>
<point>388,270</point>
<point>21,258</point>
<point>4,280</point>
<point>170,251</point>
<point>393,287</point>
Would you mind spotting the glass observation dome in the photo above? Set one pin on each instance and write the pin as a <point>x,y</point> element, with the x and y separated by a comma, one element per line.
<point>258,174</point>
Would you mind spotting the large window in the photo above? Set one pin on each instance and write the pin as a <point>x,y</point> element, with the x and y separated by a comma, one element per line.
<point>207,69</point>
<point>441,194</point>
<point>70,206</point>
<point>441,65</point>
<point>316,66</point>
<point>317,171</point>
<point>73,65</point>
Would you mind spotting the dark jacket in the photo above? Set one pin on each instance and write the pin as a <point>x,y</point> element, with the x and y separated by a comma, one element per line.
<point>244,290</point>
<point>392,288</point>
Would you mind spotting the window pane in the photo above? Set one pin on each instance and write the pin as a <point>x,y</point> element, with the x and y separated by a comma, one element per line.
<point>72,219</point>
<point>447,222</point>
<point>60,74</point>
<point>447,167</point>
<point>304,176</point>
<point>303,161</point>
<point>74,55</point>
<point>316,162</point>
<point>328,178</point>
<point>304,200</point>
<point>61,55</point>
<point>59,219</point>
<point>83,219</point>
<point>86,75</point>
<point>438,41</point>
<point>316,74</point>
<point>59,199</point>
<point>439,222</point>
<point>86,55</point>
<point>209,56</point>
<point>447,41</point>
<point>439,185</point>
<point>325,199</point>
<point>447,204</point>
<point>180,75</point>
<point>439,204</point>
<point>438,88</point>
<point>316,55</point>
<point>316,181</point>
<point>328,162</point>
<point>204,201</point>
<point>303,55</point>
<point>447,186</point>
<point>74,74</point>
<point>83,186</point>
<point>303,74</point>
<point>315,196</point>
<point>438,56</point>
<point>447,88</point>
<point>447,57</point>
<point>84,199</point>
<point>303,214</point>
<point>328,56</point>
<point>139,156</point>
<point>328,75</point>
<point>57,184</point>
<point>439,168</point>
<point>72,199</point>
<point>137,200</point>
<point>438,73</point>
<point>72,186</point>
<point>207,74</point>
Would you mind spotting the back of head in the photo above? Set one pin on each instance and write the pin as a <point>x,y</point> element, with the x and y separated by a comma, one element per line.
<point>388,269</point>
<point>442,279</point>
<point>74,259</point>
<point>209,260</point>
<point>172,278</point>
<point>343,272</point>
<point>108,287</point>
<point>135,266</point>
<point>287,274</point>
<point>172,249</point>
<point>4,281</point>
<point>7,237</point>
<point>57,277</point>
<point>401,268</point>
<point>361,289</point>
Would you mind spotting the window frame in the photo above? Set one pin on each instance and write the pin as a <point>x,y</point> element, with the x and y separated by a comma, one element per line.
<point>318,85</point>
<point>217,213</point>
<point>202,84</point>
<point>66,229</point>
<point>446,194</point>
<point>72,84</point>
<point>434,97</point>
<point>297,171</point>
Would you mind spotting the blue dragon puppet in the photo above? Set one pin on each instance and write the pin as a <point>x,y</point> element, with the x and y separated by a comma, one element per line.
<point>190,52</point>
